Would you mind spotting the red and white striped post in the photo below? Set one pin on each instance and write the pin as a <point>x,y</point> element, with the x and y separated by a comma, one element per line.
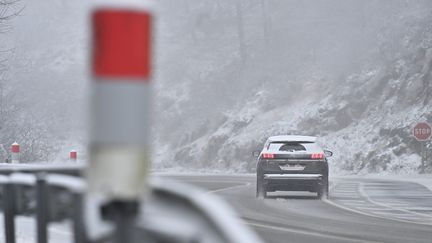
<point>121,102</point>
<point>15,149</point>
<point>73,155</point>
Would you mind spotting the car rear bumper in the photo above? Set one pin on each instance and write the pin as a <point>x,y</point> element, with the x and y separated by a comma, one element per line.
<point>292,182</point>
<point>292,176</point>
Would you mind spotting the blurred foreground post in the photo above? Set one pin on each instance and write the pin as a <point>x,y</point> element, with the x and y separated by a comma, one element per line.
<point>121,109</point>
<point>15,149</point>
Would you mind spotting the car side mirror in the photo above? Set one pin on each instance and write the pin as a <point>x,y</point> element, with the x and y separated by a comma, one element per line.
<point>256,154</point>
<point>328,153</point>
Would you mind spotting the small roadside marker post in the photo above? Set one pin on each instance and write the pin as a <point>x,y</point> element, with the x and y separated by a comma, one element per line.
<point>15,149</point>
<point>422,132</point>
<point>73,155</point>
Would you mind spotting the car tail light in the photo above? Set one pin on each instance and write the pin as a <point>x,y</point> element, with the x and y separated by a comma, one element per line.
<point>267,156</point>
<point>317,156</point>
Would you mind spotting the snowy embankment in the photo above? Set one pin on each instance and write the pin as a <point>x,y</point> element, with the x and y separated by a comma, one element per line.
<point>424,179</point>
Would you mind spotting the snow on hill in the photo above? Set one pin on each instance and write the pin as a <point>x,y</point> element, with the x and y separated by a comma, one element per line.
<point>365,115</point>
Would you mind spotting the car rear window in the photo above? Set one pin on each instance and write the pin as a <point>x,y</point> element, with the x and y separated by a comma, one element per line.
<point>287,146</point>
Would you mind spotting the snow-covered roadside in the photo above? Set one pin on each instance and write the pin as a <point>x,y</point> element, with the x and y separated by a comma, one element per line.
<point>425,179</point>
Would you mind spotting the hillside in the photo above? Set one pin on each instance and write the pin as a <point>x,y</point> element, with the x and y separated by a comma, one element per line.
<point>230,73</point>
<point>360,89</point>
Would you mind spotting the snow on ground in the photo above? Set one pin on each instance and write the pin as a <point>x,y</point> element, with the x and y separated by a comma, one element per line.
<point>423,179</point>
<point>26,231</point>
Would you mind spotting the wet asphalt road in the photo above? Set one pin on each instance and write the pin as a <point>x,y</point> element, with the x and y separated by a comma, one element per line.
<point>358,210</point>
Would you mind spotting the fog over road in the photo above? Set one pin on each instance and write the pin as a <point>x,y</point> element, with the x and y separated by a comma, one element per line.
<point>359,210</point>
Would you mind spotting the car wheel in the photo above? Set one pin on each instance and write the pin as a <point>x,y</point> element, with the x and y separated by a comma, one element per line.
<point>323,190</point>
<point>261,192</point>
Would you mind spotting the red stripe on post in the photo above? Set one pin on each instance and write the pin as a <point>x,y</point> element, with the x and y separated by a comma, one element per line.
<point>122,44</point>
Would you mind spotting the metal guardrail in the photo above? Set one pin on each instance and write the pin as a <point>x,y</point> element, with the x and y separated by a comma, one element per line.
<point>74,169</point>
<point>50,197</point>
<point>173,212</point>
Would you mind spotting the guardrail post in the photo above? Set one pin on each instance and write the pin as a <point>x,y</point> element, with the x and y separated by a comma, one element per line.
<point>73,155</point>
<point>80,234</point>
<point>9,212</point>
<point>42,216</point>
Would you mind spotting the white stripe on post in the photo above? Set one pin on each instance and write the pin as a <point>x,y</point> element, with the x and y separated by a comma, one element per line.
<point>15,149</point>
<point>121,103</point>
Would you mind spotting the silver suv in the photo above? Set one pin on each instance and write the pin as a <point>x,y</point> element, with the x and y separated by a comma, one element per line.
<point>292,163</point>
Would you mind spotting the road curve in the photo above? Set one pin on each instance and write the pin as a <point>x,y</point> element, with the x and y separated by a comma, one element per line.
<point>359,210</point>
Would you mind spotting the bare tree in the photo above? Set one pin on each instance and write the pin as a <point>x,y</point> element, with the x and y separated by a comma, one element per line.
<point>8,10</point>
<point>5,16</point>
<point>8,112</point>
<point>240,30</point>
<point>265,20</point>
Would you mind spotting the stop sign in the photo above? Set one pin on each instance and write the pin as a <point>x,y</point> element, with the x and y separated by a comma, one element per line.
<point>422,131</point>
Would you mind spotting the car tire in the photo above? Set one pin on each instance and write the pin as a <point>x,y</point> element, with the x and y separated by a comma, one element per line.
<point>261,192</point>
<point>323,190</point>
